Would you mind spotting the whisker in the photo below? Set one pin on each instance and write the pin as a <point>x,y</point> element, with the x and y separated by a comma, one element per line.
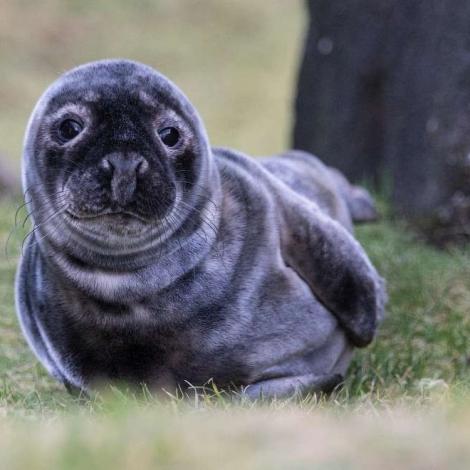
<point>37,226</point>
<point>190,209</point>
<point>56,198</point>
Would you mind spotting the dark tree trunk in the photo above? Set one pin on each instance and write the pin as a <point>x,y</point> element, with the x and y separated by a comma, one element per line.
<point>384,95</point>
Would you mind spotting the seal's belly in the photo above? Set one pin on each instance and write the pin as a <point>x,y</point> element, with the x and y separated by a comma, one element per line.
<point>272,327</point>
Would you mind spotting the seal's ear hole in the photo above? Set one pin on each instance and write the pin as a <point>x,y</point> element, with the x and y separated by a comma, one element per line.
<point>169,136</point>
<point>68,129</point>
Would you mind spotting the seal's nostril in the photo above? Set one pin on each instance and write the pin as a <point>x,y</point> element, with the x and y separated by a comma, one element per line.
<point>106,166</point>
<point>124,170</point>
<point>130,164</point>
<point>142,167</point>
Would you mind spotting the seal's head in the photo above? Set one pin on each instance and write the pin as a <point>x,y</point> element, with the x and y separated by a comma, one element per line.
<point>114,153</point>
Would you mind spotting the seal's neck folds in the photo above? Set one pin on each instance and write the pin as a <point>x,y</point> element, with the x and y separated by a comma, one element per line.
<point>130,278</point>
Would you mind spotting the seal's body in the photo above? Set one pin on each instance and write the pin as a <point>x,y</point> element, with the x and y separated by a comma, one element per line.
<point>156,259</point>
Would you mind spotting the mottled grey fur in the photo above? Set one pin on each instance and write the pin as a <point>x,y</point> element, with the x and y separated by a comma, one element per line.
<point>189,263</point>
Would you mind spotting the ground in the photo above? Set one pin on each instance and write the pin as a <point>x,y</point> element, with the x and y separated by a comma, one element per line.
<point>405,401</point>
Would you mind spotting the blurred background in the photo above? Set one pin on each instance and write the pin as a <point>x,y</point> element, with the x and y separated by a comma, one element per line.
<point>378,89</point>
<point>236,60</point>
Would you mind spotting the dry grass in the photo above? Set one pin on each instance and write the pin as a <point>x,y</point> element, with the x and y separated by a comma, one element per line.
<point>241,439</point>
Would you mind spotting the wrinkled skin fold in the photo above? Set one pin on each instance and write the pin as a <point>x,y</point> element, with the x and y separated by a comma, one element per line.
<point>156,259</point>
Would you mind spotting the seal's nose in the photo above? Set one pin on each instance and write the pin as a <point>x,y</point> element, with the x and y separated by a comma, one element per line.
<point>124,170</point>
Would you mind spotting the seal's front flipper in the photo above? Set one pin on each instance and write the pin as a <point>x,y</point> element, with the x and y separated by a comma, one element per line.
<point>334,266</point>
<point>287,387</point>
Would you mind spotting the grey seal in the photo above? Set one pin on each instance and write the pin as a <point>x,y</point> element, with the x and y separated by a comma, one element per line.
<point>158,260</point>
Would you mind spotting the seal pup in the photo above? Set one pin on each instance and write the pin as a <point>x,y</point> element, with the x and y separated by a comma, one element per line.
<point>156,259</point>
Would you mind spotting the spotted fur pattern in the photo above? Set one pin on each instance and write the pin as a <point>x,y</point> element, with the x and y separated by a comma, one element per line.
<point>204,264</point>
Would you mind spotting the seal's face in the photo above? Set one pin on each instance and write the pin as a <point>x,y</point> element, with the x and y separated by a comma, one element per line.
<point>118,150</point>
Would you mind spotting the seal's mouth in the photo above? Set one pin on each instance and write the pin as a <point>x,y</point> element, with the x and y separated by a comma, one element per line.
<point>118,216</point>
<point>115,227</point>
<point>108,223</point>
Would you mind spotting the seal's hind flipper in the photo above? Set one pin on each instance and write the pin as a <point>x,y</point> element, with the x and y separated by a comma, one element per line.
<point>361,205</point>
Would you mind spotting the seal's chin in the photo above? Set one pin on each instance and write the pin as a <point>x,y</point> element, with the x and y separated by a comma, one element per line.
<point>106,224</point>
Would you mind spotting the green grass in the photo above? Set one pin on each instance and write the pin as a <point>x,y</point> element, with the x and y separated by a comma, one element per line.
<point>425,337</point>
<point>405,401</point>
<point>422,347</point>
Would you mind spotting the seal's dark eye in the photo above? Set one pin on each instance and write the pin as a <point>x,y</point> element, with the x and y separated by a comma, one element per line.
<point>169,135</point>
<point>69,129</point>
